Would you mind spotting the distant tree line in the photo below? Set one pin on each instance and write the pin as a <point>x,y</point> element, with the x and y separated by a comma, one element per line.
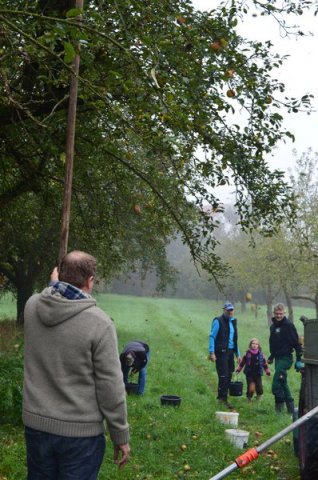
<point>270,269</point>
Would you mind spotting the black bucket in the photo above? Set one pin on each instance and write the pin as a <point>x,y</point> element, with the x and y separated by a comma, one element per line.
<point>172,400</point>
<point>131,388</point>
<point>236,389</point>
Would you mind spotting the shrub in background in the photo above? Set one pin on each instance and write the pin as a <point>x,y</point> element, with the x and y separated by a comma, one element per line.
<point>11,379</point>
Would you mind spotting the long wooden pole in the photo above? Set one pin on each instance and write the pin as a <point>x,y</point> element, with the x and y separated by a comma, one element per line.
<point>70,141</point>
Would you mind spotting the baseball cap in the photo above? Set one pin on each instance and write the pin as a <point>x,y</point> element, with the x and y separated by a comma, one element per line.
<point>228,306</point>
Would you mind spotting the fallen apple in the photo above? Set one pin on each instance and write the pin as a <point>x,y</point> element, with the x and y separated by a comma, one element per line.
<point>276,469</point>
<point>186,467</point>
<point>183,447</point>
<point>137,209</point>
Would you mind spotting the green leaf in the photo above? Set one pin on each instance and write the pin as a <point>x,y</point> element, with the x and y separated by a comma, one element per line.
<point>70,52</point>
<point>74,12</point>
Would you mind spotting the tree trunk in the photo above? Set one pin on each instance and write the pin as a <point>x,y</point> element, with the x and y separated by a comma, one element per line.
<point>308,299</point>
<point>243,305</point>
<point>269,304</point>
<point>289,306</point>
<point>24,292</point>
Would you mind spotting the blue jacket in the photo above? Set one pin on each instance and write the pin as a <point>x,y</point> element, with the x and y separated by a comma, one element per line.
<point>223,335</point>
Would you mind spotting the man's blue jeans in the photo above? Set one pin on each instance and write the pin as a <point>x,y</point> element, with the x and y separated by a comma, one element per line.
<point>53,457</point>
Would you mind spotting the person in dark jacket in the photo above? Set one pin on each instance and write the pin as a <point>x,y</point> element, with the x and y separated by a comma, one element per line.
<point>283,341</point>
<point>222,349</point>
<point>254,364</point>
<point>134,359</point>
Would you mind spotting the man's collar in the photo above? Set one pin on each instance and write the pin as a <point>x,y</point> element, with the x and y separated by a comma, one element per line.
<point>68,291</point>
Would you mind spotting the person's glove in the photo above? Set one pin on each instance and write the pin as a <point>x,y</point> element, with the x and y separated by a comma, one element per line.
<point>299,365</point>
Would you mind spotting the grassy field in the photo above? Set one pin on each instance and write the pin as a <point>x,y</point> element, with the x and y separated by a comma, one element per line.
<point>8,308</point>
<point>185,442</point>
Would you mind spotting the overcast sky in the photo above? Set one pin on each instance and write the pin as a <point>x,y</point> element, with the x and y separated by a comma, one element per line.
<point>299,74</point>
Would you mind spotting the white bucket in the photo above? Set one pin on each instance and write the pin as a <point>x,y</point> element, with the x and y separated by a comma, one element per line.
<point>239,438</point>
<point>229,418</point>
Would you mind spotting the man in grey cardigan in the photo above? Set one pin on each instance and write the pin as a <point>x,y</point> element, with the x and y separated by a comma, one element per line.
<point>72,378</point>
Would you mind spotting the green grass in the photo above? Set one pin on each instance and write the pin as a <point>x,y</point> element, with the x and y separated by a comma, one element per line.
<point>8,307</point>
<point>177,332</point>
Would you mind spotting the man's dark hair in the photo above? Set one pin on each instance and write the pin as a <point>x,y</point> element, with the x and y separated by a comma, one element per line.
<point>76,267</point>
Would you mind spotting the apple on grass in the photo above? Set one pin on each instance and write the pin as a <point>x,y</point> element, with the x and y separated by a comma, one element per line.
<point>137,209</point>
<point>231,93</point>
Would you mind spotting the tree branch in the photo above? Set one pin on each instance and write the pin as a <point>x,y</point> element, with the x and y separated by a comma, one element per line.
<point>303,297</point>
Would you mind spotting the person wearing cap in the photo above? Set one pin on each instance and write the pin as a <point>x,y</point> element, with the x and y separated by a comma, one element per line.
<point>134,359</point>
<point>223,347</point>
